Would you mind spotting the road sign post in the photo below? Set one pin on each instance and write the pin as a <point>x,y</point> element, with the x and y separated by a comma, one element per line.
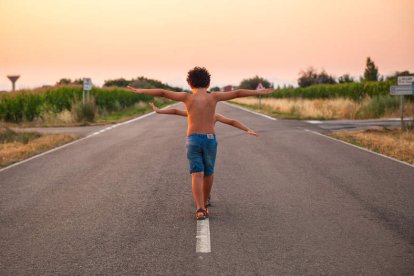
<point>260,87</point>
<point>87,87</point>
<point>402,111</point>
<point>405,80</point>
<point>405,87</point>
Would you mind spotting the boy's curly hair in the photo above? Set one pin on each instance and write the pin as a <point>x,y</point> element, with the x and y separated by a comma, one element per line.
<point>198,77</point>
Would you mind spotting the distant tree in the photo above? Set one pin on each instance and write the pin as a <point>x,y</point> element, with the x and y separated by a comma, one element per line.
<point>77,82</point>
<point>64,81</point>
<point>311,77</point>
<point>141,83</point>
<point>308,77</point>
<point>215,89</point>
<point>371,71</point>
<point>121,82</point>
<point>252,83</point>
<point>345,78</point>
<point>324,78</point>
<point>397,74</point>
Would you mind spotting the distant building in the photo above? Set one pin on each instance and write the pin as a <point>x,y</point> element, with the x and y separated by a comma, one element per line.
<point>229,88</point>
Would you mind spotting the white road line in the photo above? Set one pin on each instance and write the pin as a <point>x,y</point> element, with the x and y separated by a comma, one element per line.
<point>203,236</point>
<point>314,122</point>
<point>245,109</point>
<point>361,148</point>
<point>76,141</point>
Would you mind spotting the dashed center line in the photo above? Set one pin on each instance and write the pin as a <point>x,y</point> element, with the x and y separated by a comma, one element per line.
<point>314,122</point>
<point>203,236</point>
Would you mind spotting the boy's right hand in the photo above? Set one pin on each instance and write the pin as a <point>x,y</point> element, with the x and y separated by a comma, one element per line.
<point>130,88</point>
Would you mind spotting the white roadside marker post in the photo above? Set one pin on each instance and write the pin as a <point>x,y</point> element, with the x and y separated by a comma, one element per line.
<point>402,111</point>
<point>87,87</point>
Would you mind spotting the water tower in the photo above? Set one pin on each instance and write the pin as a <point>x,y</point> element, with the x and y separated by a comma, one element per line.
<point>13,79</point>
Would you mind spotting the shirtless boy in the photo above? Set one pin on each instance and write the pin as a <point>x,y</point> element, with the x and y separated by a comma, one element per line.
<point>201,138</point>
<point>218,118</point>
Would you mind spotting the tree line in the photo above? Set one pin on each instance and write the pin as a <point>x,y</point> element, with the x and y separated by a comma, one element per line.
<point>311,77</point>
<point>307,77</point>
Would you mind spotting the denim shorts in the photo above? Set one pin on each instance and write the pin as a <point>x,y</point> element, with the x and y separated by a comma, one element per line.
<point>201,153</point>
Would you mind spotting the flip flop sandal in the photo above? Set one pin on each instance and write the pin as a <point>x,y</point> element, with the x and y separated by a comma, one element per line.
<point>201,214</point>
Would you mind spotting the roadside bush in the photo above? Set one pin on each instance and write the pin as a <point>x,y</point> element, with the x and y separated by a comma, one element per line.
<point>61,98</point>
<point>84,112</point>
<point>115,99</point>
<point>378,106</point>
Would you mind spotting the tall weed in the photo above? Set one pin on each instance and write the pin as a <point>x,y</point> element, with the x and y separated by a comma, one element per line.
<point>84,112</point>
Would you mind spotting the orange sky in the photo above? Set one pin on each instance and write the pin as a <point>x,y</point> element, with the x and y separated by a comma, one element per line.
<point>45,40</point>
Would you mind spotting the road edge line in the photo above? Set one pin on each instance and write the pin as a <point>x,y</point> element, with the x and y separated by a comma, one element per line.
<point>358,147</point>
<point>245,109</point>
<point>81,139</point>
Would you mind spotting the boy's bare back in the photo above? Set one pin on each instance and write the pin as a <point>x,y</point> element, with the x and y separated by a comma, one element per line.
<point>201,108</point>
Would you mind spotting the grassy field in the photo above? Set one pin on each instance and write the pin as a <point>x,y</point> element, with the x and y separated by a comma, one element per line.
<point>16,146</point>
<point>62,106</point>
<point>396,143</point>
<point>326,109</point>
<point>354,91</point>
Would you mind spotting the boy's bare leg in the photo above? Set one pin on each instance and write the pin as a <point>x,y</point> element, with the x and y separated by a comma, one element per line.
<point>207,185</point>
<point>197,186</point>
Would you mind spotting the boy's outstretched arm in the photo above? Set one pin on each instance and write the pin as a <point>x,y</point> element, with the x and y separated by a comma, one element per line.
<point>224,96</point>
<point>175,96</point>
<point>171,111</point>
<point>235,123</point>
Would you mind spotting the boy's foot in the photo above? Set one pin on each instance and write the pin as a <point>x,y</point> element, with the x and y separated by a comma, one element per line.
<point>208,201</point>
<point>201,214</point>
<point>206,211</point>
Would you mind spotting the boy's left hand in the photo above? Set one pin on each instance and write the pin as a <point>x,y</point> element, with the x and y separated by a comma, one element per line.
<point>251,132</point>
<point>153,106</point>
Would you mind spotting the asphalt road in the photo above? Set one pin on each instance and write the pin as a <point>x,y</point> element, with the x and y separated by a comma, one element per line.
<point>288,202</point>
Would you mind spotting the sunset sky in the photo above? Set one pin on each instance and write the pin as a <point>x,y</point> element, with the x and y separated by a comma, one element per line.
<point>45,40</point>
